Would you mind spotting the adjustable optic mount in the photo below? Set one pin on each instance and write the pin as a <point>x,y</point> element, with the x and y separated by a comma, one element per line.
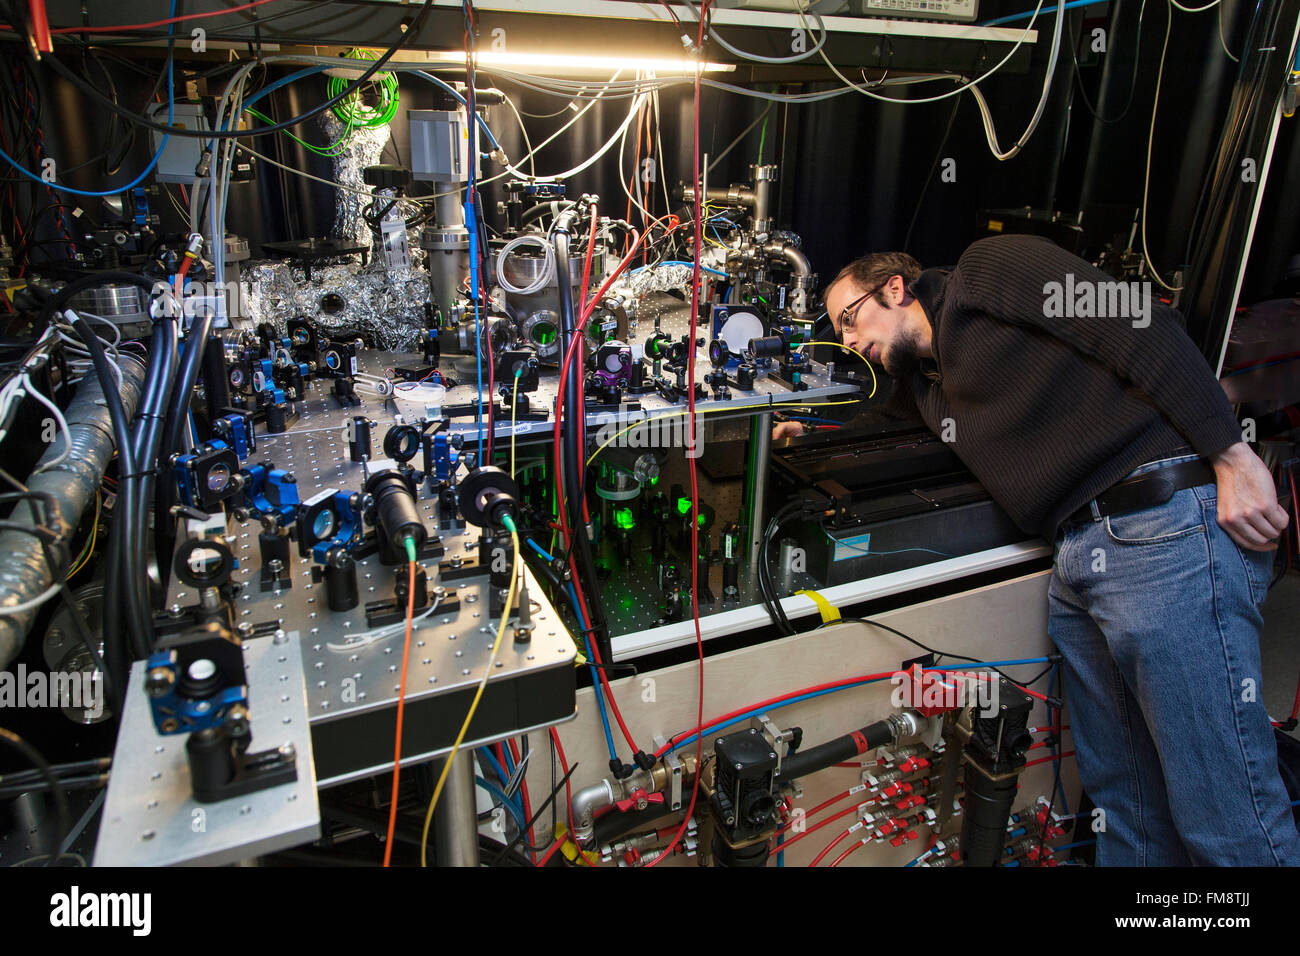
<point>195,683</point>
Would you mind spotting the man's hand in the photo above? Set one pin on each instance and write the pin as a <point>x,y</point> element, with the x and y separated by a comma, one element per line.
<point>1248,508</point>
<point>786,430</point>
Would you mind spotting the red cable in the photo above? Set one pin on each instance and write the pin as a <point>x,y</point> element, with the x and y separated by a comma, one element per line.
<point>568,793</point>
<point>586,265</point>
<point>401,702</point>
<point>180,275</point>
<point>128,27</point>
<point>829,846</point>
<point>813,829</point>
<point>584,314</point>
<point>636,160</point>
<point>853,849</point>
<point>695,491</point>
<point>820,807</point>
<point>648,195</point>
<point>769,702</point>
<point>582,397</point>
<point>1068,753</point>
<point>546,857</point>
<point>41,27</point>
<point>559,490</point>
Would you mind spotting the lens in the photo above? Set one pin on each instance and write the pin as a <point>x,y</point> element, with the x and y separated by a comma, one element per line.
<point>645,469</point>
<point>202,669</point>
<point>203,561</point>
<point>218,478</point>
<point>323,526</point>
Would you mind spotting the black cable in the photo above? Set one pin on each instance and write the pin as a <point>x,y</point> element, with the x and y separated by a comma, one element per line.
<point>572,452</point>
<point>1054,715</point>
<point>174,427</point>
<point>87,782</point>
<point>123,564</point>
<point>347,91</point>
<point>112,686</point>
<point>159,382</point>
<point>126,536</point>
<point>940,654</point>
<point>765,585</point>
<point>92,765</point>
<point>120,561</point>
<point>1137,59</point>
<point>33,756</point>
<point>221,33</point>
<point>528,827</point>
<point>925,187</point>
<point>49,536</point>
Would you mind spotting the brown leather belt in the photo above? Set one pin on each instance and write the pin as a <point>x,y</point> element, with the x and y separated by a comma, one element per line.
<point>1147,490</point>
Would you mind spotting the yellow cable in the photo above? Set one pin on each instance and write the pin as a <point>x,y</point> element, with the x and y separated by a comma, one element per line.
<point>464,729</point>
<point>703,411</point>
<point>829,612</point>
<point>90,546</point>
<point>841,345</point>
<point>514,404</point>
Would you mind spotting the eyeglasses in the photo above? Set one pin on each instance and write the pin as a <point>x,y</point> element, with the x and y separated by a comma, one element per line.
<point>850,313</point>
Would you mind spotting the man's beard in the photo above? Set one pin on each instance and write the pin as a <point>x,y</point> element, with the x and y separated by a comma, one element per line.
<point>903,356</point>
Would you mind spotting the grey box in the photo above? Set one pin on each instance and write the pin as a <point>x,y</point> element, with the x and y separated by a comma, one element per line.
<point>439,145</point>
<point>181,156</point>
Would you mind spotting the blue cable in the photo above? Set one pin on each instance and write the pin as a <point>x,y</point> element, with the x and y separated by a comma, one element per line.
<point>780,856</point>
<point>171,106</point>
<point>510,764</point>
<point>505,801</point>
<point>482,124</point>
<point>1012,18</point>
<point>1071,846</point>
<point>814,419</point>
<point>1023,660</point>
<point>314,70</point>
<point>866,552</point>
<point>674,262</point>
<point>485,754</point>
<point>712,728</point>
<point>595,677</point>
<point>538,548</point>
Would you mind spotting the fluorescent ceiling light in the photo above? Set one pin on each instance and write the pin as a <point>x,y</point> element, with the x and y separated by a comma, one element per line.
<point>564,63</point>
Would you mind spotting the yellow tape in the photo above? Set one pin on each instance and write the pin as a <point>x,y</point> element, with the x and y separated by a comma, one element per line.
<point>828,610</point>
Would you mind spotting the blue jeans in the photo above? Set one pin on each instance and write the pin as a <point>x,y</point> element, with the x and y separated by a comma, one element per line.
<point>1156,613</point>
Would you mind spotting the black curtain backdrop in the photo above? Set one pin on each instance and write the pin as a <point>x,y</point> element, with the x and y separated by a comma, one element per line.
<point>852,170</point>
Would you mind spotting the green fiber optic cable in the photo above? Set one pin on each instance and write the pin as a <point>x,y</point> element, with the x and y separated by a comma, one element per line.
<point>336,148</point>
<point>353,110</point>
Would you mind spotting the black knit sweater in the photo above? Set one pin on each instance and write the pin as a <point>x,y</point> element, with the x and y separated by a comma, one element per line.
<point>1049,412</point>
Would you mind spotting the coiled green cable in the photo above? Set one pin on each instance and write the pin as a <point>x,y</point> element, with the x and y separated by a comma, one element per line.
<point>353,110</point>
